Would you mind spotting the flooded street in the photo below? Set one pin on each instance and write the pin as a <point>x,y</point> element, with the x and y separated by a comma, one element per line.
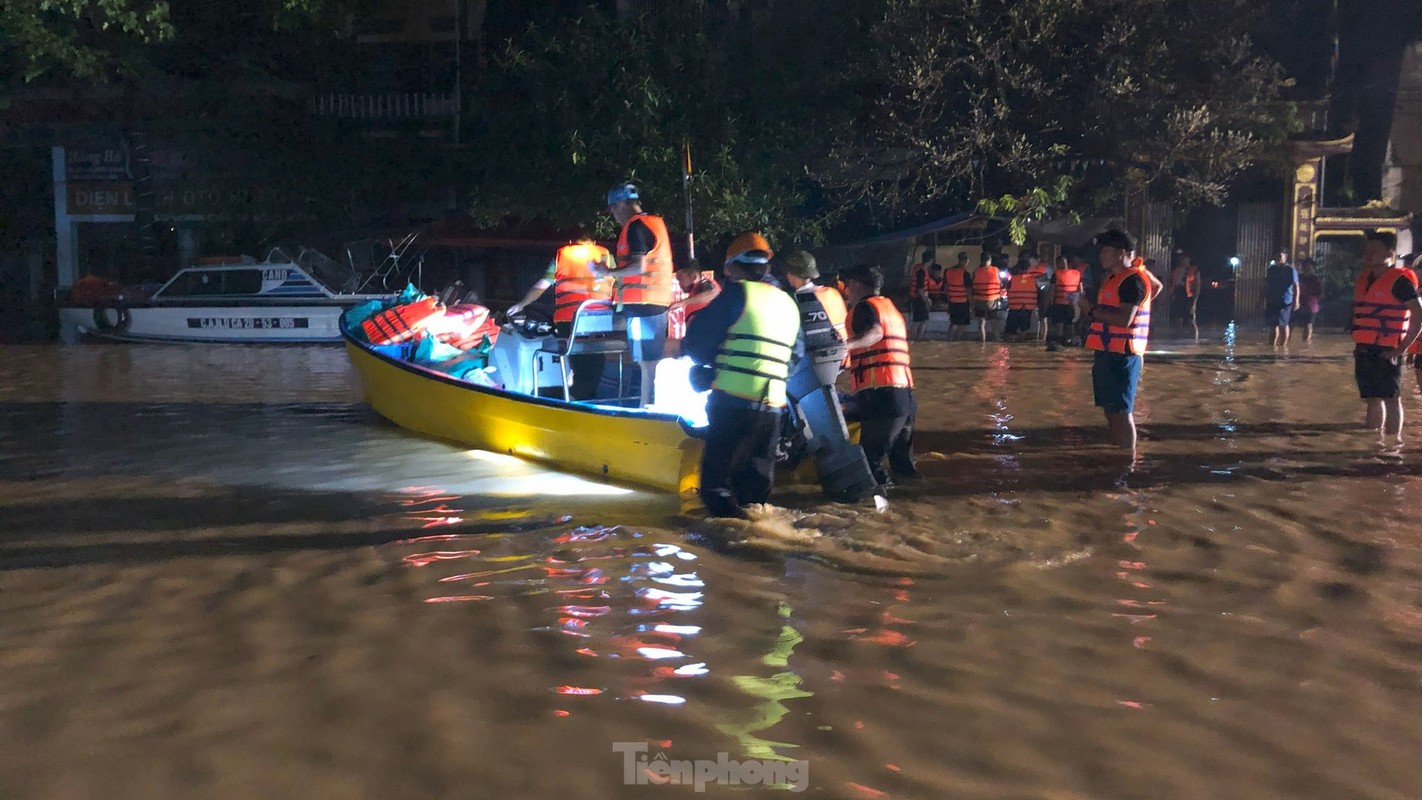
<point>222,577</point>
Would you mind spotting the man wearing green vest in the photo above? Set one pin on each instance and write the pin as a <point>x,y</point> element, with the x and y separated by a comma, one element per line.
<point>744,342</point>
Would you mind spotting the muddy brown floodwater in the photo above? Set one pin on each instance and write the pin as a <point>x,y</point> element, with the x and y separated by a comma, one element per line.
<point>221,577</point>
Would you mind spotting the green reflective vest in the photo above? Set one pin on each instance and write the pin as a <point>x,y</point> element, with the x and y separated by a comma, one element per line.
<point>755,356</point>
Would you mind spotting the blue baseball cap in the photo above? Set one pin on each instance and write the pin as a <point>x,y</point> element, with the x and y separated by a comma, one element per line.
<point>621,192</point>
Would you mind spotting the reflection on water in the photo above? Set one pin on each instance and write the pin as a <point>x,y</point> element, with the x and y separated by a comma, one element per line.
<point>222,577</point>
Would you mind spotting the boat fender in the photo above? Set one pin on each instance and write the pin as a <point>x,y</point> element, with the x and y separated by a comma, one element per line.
<point>121,314</point>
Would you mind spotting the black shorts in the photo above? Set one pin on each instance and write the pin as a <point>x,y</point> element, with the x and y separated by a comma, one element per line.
<point>919,306</point>
<point>1303,316</point>
<point>1018,321</point>
<point>1063,315</point>
<point>1278,316</point>
<point>1378,377</point>
<point>982,310</point>
<point>959,314</point>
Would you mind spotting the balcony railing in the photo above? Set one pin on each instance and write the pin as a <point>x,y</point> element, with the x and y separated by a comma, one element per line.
<point>390,106</point>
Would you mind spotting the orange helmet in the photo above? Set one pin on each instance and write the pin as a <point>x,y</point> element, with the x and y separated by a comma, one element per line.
<point>745,243</point>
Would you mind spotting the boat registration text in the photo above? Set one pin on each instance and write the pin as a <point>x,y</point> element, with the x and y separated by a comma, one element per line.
<point>249,323</point>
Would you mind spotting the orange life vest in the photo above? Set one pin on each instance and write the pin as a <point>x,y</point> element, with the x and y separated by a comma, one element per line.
<point>885,363</point>
<point>1068,281</point>
<point>574,283</point>
<point>920,275</point>
<point>698,299</point>
<point>1022,293</point>
<point>954,278</point>
<point>401,323</point>
<point>464,326</point>
<point>653,285</point>
<point>1130,339</point>
<point>1378,319</point>
<point>1037,270</point>
<point>1192,281</point>
<point>987,285</point>
<point>833,303</point>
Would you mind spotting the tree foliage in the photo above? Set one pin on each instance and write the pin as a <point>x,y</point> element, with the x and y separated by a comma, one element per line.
<point>994,98</point>
<point>567,111</point>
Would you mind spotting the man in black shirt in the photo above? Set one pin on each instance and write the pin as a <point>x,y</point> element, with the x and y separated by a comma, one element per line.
<point>1281,297</point>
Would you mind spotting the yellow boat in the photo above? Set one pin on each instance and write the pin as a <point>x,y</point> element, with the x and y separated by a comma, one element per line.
<point>653,450</point>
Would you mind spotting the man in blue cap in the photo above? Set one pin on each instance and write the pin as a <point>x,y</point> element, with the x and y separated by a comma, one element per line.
<point>644,276</point>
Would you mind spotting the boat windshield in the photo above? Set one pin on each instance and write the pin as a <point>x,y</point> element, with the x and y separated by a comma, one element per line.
<point>335,276</point>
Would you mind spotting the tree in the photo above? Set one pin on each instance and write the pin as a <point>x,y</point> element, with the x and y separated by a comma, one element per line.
<point>569,109</point>
<point>1057,104</point>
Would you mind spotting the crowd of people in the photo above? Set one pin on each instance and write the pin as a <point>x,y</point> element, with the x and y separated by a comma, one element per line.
<point>777,323</point>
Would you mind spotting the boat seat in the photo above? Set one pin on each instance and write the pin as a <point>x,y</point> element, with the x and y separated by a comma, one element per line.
<point>597,329</point>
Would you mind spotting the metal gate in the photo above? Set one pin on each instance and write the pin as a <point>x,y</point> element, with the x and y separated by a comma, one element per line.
<point>1256,241</point>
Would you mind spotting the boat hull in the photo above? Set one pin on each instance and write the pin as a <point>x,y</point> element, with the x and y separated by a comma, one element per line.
<point>241,324</point>
<point>655,451</point>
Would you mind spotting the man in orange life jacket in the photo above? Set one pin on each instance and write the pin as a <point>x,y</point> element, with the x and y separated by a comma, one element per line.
<point>698,289</point>
<point>1042,274</point>
<point>922,286</point>
<point>744,342</point>
<point>880,376</point>
<point>1021,302</point>
<point>1185,293</point>
<point>958,288</point>
<point>644,279</point>
<point>1387,320</point>
<point>1118,332</point>
<point>1065,290</point>
<point>573,283</point>
<point>987,296</point>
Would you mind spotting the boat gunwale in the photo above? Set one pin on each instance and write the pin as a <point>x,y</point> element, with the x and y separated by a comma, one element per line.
<point>601,411</point>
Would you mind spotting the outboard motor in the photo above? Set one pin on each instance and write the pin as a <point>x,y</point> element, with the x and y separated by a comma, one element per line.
<point>844,471</point>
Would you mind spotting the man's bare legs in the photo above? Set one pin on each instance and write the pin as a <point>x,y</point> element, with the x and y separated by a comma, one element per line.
<point>1123,430</point>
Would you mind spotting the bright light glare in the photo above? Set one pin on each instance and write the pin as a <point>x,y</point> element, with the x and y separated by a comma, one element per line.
<point>674,394</point>
<point>1234,262</point>
<point>669,699</point>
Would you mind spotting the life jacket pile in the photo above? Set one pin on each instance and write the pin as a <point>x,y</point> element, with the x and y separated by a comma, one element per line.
<point>1378,319</point>
<point>464,326</point>
<point>1129,339</point>
<point>400,323</point>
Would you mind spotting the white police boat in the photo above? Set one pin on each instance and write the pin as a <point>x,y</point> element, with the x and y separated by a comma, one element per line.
<point>281,299</point>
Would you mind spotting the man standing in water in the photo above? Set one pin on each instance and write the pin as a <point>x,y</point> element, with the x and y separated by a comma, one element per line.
<point>1118,331</point>
<point>1281,297</point>
<point>958,287</point>
<point>1387,319</point>
<point>644,279</point>
<point>745,340</point>
<point>1310,297</point>
<point>1184,294</point>
<point>880,378</point>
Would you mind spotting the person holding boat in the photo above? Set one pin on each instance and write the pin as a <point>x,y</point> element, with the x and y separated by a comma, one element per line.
<point>743,343</point>
<point>573,283</point>
<point>880,376</point>
<point>643,274</point>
